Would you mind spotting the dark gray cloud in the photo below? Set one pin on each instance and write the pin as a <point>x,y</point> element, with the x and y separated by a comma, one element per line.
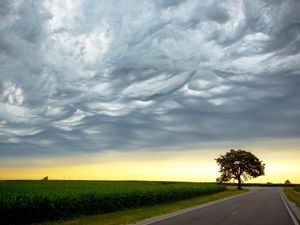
<point>86,76</point>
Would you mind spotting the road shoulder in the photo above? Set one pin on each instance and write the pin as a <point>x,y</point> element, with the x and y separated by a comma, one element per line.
<point>292,206</point>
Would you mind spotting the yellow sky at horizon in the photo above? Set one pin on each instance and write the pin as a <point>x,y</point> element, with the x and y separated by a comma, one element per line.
<point>192,165</point>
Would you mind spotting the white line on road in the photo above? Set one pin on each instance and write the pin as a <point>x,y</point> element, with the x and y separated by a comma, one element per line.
<point>288,209</point>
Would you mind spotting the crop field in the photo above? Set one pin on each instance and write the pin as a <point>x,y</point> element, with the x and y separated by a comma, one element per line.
<point>297,188</point>
<point>25,202</point>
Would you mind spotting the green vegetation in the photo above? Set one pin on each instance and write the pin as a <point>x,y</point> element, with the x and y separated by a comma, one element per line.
<point>297,188</point>
<point>293,194</point>
<point>24,202</point>
<point>134,215</point>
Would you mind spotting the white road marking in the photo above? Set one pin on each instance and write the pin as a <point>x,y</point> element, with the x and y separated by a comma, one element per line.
<point>288,209</point>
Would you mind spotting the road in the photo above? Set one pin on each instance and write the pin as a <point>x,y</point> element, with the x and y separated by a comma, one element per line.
<point>262,206</point>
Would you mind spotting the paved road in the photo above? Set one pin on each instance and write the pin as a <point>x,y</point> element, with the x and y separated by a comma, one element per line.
<point>263,206</point>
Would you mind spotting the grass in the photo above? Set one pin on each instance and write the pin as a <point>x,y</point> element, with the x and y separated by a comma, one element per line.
<point>134,215</point>
<point>297,189</point>
<point>293,194</point>
<point>25,202</point>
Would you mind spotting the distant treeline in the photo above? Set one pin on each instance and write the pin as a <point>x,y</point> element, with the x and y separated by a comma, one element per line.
<point>264,185</point>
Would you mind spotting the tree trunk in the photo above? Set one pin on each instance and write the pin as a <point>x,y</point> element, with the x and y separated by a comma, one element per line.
<point>239,187</point>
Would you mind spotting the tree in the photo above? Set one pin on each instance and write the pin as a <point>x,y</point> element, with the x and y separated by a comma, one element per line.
<point>45,178</point>
<point>287,182</point>
<point>238,164</point>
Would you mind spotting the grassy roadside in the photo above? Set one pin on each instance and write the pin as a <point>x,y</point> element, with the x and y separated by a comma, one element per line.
<point>293,195</point>
<point>138,214</point>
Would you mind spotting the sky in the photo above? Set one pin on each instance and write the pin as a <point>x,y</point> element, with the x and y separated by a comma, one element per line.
<point>150,90</point>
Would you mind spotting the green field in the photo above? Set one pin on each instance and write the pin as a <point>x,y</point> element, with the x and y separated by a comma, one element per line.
<point>297,188</point>
<point>24,202</point>
<point>293,194</point>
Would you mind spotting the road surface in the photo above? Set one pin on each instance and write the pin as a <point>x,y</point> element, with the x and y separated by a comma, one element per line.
<point>262,206</point>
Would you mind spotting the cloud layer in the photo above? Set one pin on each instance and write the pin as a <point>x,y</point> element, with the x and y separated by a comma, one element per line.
<point>88,76</point>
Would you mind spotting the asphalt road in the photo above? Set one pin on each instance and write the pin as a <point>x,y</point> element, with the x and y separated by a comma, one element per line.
<point>263,206</point>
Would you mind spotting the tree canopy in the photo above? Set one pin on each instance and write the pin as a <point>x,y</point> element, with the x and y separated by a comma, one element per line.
<point>239,164</point>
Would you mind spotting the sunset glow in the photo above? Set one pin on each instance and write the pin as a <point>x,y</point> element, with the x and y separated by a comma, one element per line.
<point>195,166</point>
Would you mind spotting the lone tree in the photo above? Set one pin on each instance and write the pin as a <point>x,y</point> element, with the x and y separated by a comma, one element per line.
<point>287,182</point>
<point>238,164</point>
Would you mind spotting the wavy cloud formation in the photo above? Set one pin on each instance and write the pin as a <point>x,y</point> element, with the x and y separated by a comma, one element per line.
<point>85,76</point>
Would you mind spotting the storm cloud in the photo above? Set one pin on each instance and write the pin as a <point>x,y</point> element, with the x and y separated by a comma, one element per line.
<point>91,76</point>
